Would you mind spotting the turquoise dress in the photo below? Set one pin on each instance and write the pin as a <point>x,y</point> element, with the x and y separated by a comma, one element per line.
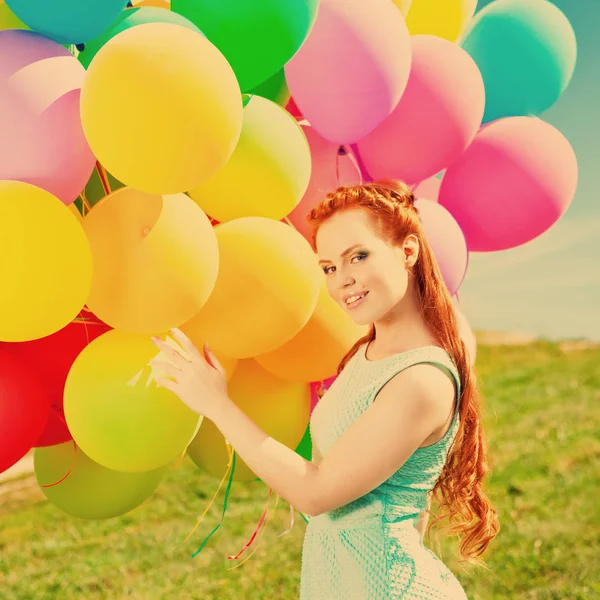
<point>370,549</point>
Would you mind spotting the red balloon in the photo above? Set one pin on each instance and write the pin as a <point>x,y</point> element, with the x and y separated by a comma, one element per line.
<point>51,358</point>
<point>24,409</point>
<point>293,109</point>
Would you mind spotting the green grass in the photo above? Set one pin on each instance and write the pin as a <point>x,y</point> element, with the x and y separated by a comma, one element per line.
<point>542,421</point>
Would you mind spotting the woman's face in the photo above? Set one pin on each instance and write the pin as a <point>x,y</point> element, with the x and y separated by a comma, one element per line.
<point>370,266</point>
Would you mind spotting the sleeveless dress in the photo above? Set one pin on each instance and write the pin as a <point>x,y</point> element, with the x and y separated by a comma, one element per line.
<point>370,548</point>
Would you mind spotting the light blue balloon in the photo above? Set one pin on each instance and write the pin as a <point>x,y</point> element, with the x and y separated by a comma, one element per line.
<point>68,21</point>
<point>526,52</point>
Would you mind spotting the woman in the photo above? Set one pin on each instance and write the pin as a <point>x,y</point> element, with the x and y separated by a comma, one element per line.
<point>400,423</point>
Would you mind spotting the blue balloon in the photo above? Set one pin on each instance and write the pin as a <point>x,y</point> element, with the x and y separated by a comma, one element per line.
<point>68,21</point>
<point>526,52</point>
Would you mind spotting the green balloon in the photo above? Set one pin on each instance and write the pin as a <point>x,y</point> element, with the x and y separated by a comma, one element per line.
<point>8,20</point>
<point>275,89</point>
<point>91,491</point>
<point>304,448</point>
<point>94,191</point>
<point>257,37</point>
<point>131,18</point>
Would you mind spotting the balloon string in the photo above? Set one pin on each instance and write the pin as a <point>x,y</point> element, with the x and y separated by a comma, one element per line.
<point>365,176</point>
<point>231,467</point>
<point>85,204</point>
<point>60,418</point>
<point>256,531</point>
<point>103,178</point>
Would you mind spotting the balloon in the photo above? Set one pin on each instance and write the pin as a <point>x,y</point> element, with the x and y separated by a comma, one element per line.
<point>403,6</point>
<point>157,128</point>
<point>442,18</point>
<point>157,268</point>
<point>353,68</point>
<point>24,409</point>
<point>68,21</point>
<point>428,189</point>
<point>166,4</point>
<point>8,20</point>
<point>436,118</point>
<point>330,169</point>
<point>128,19</point>
<point>515,180</point>
<point>50,358</point>
<point>526,52</point>
<point>275,88</point>
<point>94,190</point>
<point>280,408</point>
<point>45,263</point>
<point>447,242</point>
<point>257,37</point>
<point>118,421</point>
<point>316,351</point>
<point>266,290</point>
<point>293,109</point>
<point>271,163</point>
<point>90,491</point>
<point>42,140</point>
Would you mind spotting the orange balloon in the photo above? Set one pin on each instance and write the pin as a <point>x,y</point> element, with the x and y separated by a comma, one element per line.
<point>278,407</point>
<point>155,259</point>
<point>315,353</point>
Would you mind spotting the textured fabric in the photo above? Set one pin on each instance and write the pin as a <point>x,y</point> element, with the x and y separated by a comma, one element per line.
<point>370,549</point>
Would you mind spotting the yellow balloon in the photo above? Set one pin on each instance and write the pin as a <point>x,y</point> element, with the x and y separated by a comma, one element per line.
<point>76,212</point>
<point>161,108</point>
<point>266,291</point>
<point>445,18</point>
<point>271,165</point>
<point>157,3</point>
<point>403,5</point>
<point>156,260</point>
<point>316,351</point>
<point>119,421</point>
<point>45,263</point>
<point>280,408</point>
<point>8,20</point>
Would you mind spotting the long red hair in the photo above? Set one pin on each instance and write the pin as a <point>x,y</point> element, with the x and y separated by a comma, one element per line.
<point>459,489</point>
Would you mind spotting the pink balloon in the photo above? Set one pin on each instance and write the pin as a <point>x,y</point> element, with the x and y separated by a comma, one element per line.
<point>41,139</point>
<point>515,181</point>
<point>314,388</point>
<point>447,242</point>
<point>429,189</point>
<point>329,170</point>
<point>436,118</point>
<point>352,69</point>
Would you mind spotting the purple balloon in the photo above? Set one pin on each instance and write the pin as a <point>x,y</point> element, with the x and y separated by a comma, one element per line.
<point>447,242</point>
<point>41,136</point>
<point>352,69</point>
<point>515,180</point>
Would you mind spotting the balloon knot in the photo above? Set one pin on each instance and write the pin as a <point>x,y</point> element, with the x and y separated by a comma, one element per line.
<point>342,151</point>
<point>80,47</point>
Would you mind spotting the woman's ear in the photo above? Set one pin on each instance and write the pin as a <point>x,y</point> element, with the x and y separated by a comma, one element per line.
<point>410,250</point>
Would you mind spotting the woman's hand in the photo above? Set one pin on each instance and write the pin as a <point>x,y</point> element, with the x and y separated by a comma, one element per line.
<point>198,381</point>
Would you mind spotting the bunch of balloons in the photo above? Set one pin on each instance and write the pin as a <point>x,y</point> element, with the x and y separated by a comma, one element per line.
<point>157,163</point>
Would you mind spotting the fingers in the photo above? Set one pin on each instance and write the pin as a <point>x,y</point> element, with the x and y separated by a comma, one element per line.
<point>165,383</point>
<point>185,342</point>
<point>169,351</point>
<point>166,368</point>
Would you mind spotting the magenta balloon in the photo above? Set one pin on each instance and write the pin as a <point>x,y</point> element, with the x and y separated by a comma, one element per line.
<point>429,189</point>
<point>436,118</point>
<point>515,181</point>
<point>352,69</point>
<point>41,137</point>
<point>329,170</point>
<point>447,242</point>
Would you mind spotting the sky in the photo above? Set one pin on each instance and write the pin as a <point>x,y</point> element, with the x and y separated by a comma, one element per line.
<point>550,287</point>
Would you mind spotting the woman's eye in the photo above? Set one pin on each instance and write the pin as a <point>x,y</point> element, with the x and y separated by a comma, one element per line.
<point>360,254</point>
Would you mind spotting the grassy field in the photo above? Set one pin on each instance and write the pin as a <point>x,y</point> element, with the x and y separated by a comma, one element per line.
<point>542,415</point>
